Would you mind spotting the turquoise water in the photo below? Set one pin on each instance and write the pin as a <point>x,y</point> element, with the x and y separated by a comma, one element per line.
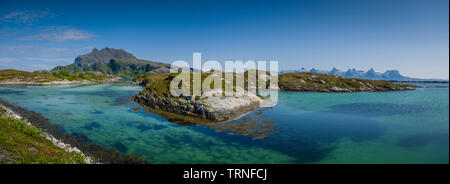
<point>384,127</point>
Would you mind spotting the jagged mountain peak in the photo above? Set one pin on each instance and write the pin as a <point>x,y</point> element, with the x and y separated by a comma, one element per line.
<point>103,56</point>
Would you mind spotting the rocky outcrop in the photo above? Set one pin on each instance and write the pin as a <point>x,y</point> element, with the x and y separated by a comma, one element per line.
<point>213,108</point>
<point>17,77</point>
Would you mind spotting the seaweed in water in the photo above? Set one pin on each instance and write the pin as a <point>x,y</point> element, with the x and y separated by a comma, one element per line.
<point>81,136</point>
<point>92,125</point>
<point>131,139</point>
<point>120,146</point>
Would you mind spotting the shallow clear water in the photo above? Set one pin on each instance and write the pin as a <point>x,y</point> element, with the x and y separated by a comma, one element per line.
<point>383,127</point>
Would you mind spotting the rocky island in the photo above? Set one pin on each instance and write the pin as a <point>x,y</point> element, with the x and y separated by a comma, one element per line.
<point>21,142</point>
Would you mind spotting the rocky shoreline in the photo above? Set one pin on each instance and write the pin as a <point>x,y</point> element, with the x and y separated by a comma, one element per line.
<point>58,143</point>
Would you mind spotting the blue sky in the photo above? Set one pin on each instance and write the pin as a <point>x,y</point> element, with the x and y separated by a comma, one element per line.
<point>408,35</point>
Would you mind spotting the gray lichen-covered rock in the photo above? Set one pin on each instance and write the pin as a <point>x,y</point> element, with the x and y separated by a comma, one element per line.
<point>213,108</point>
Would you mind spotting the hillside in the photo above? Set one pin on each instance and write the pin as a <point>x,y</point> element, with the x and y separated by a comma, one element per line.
<point>17,77</point>
<point>114,62</point>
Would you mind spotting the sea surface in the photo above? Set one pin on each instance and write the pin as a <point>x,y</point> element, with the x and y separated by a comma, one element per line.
<point>369,127</point>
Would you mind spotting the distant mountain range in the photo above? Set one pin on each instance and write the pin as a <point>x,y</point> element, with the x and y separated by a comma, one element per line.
<point>390,75</point>
<point>114,62</point>
<point>119,62</point>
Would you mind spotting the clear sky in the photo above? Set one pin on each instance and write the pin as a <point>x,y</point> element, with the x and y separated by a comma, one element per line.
<point>408,35</point>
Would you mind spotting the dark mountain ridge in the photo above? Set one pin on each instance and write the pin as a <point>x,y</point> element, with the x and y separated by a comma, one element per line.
<point>114,62</point>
